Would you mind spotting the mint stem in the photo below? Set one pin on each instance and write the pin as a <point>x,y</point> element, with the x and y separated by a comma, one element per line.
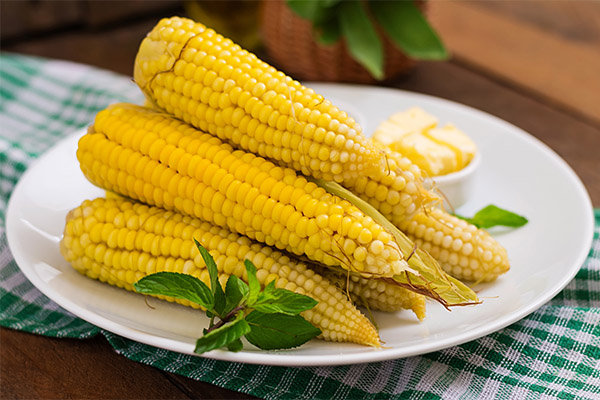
<point>227,318</point>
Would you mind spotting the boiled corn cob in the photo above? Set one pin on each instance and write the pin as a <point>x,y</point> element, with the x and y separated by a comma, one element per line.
<point>208,81</point>
<point>463,250</point>
<point>161,161</point>
<point>119,241</point>
<point>154,158</point>
<point>398,193</point>
<point>375,294</point>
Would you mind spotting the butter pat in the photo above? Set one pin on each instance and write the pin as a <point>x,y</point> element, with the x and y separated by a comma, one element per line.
<point>436,150</point>
<point>456,140</point>
<point>434,158</point>
<point>412,120</point>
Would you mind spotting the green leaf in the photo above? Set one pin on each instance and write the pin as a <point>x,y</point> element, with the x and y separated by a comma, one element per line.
<point>305,9</point>
<point>408,29</point>
<point>236,291</point>
<point>215,285</point>
<point>313,10</point>
<point>328,32</point>
<point>279,331</point>
<point>361,38</point>
<point>253,283</point>
<point>235,346</point>
<point>323,16</point>
<point>224,335</point>
<point>270,288</point>
<point>283,301</point>
<point>492,215</point>
<point>179,286</point>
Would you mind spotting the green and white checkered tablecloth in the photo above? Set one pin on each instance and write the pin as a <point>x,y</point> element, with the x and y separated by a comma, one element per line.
<point>552,353</point>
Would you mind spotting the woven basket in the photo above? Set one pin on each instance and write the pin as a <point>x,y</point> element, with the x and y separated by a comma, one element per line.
<point>290,45</point>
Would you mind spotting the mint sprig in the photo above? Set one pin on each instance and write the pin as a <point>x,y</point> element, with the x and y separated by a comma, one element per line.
<point>266,330</point>
<point>492,215</point>
<point>268,318</point>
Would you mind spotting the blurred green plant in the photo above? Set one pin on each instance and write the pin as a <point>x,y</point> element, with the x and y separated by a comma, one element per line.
<point>234,19</point>
<point>356,21</point>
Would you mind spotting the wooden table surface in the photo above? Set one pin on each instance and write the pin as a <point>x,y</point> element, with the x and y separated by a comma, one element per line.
<point>534,64</point>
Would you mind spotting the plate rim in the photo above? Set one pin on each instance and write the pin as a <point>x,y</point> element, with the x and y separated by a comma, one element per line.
<point>294,360</point>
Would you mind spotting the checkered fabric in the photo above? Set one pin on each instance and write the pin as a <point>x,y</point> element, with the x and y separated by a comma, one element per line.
<point>41,101</point>
<point>552,353</point>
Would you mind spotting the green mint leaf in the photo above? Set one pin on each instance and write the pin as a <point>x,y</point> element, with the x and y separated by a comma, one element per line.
<point>270,288</point>
<point>253,283</point>
<point>492,215</point>
<point>361,38</point>
<point>215,285</point>
<point>179,286</point>
<point>223,335</point>
<point>279,331</point>
<point>283,301</point>
<point>236,291</point>
<point>408,29</point>
<point>235,346</point>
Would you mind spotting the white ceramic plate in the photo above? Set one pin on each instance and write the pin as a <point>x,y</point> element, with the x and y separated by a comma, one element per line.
<point>517,172</point>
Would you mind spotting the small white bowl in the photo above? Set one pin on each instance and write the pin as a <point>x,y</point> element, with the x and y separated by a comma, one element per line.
<point>457,187</point>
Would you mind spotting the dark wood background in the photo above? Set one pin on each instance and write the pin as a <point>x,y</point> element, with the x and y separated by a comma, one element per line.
<point>534,64</point>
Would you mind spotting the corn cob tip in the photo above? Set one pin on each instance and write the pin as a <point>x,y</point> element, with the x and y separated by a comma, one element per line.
<point>375,294</point>
<point>463,250</point>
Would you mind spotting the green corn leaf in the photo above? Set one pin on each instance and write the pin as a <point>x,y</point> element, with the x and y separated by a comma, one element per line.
<point>492,215</point>
<point>434,282</point>
<point>408,29</point>
<point>179,286</point>
<point>223,336</point>
<point>361,38</point>
<point>279,331</point>
<point>427,276</point>
<point>215,285</point>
